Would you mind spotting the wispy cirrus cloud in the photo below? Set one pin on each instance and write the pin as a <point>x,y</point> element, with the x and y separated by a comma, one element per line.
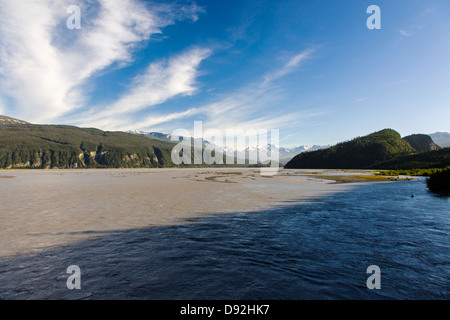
<point>161,81</point>
<point>244,108</point>
<point>405,33</point>
<point>422,21</point>
<point>289,67</point>
<point>44,65</point>
<point>155,120</point>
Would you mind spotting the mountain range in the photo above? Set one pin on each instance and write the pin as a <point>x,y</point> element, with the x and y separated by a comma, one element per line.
<point>285,154</point>
<point>26,145</point>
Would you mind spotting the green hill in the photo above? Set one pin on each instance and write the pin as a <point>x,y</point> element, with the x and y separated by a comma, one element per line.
<point>359,153</point>
<point>424,160</point>
<point>421,142</point>
<point>24,145</point>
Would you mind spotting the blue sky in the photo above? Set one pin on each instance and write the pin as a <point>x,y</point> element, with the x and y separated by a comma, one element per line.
<point>311,69</point>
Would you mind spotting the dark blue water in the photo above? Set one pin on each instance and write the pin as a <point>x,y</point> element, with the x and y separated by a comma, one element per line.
<point>312,251</point>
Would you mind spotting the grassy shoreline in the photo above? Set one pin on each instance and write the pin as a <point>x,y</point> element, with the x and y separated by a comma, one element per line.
<point>412,172</point>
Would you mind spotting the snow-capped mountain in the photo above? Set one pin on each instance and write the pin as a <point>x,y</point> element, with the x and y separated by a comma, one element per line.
<point>442,139</point>
<point>285,154</point>
<point>162,136</point>
<point>169,137</point>
<point>9,120</point>
<point>316,147</point>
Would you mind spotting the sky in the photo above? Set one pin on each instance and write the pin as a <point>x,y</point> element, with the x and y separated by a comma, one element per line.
<point>311,69</point>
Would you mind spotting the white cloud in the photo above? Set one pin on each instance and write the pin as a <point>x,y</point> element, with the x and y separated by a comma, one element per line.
<point>290,66</point>
<point>245,108</point>
<point>44,65</point>
<point>405,33</point>
<point>161,81</point>
<point>29,62</point>
<point>248,108</point>
<point>2,107</point>
<point>155,120</point>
